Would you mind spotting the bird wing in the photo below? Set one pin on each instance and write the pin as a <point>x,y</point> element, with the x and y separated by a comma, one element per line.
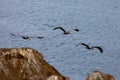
<point>99,48</point>
<point>77,30</point>
<point>87,46</point>
<point>77,44</point>
<point>12,34</point>
<point>60,28</point>
<point>56,28</point>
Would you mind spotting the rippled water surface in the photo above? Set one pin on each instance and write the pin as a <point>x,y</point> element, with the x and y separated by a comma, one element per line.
<point>97,20</point>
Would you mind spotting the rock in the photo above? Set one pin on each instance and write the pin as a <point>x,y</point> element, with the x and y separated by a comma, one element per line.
<point>26,64</point>
<point>97,75</point>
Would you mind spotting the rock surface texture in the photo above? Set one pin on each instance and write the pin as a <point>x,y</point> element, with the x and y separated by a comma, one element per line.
<point>97,75</point>
<point>26,64</point>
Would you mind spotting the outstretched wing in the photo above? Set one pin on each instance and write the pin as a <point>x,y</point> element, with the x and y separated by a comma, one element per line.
<point>87,46</point>
<point>77,30</point>
<point>60,28</point>
<point>77,44</point>
<point>99,48</point>
<point>12,34</point>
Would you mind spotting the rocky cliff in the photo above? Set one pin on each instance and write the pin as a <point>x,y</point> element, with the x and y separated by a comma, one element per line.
<point>26,64</point>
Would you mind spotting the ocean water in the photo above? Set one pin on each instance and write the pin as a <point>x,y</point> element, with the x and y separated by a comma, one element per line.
<point>98,22</point>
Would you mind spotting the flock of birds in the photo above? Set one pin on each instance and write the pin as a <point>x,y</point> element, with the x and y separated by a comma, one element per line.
<point>64,32</point>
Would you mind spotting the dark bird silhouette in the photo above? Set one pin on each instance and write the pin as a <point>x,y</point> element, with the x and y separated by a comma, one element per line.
<point>28,37</point>
<point>91,47</point>
<point>25,36</point>
<point>65,32</point>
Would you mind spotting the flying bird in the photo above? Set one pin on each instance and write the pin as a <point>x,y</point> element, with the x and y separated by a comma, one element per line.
<point>25,36</point>
<point>65,32</point>
<point>91,47</point>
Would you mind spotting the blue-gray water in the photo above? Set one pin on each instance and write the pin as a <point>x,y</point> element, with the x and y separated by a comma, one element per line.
<point>97,20</point>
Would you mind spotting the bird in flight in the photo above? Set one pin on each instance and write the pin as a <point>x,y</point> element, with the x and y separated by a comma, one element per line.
<point>25,36</point>
<point>65,32</point>
<point>91,47</point>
